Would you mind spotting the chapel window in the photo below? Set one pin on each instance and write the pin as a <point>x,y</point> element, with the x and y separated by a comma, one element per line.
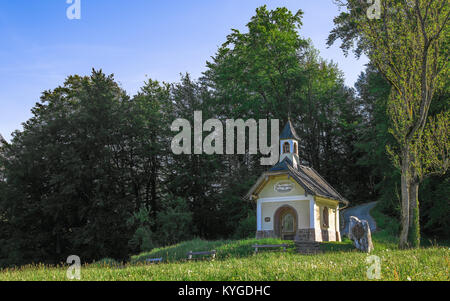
<point>325,217</point>
<point>286,148</point>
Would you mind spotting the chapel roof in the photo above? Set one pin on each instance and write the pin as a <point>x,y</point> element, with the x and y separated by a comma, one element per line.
<point>288,132</point>
<point>306,177</point>
<point>309,179</point>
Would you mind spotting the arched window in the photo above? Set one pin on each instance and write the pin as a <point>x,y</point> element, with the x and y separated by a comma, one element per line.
<point>325,217</point>
<point>295,149</point>
<point>286,148</point>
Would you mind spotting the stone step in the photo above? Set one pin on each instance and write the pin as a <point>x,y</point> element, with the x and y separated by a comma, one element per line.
<point>307,247</point>
<point>307,242</point>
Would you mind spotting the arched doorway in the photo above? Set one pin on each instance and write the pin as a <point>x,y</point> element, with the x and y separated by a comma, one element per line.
<point>285,222</point>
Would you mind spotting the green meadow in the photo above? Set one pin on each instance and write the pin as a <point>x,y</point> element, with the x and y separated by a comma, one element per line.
<point>235,260</point>
<point>420,264</point>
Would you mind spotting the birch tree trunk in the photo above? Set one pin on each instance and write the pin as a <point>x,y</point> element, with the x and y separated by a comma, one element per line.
<point>405,182</point>
<point>414,225</point>
<point>408,45</point>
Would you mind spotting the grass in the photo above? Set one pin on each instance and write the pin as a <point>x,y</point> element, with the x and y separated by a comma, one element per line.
<point>420,264</point>
<point>225,249</point>
<point>235,261</point>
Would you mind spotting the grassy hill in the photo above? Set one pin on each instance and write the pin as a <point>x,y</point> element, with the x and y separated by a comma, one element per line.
<point>235,261</point>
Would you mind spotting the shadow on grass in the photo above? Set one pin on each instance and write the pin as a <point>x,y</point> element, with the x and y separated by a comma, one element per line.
<point>346,245</point>
<point>386,237</point>
<point>225,249</point>
<point>231,249</point>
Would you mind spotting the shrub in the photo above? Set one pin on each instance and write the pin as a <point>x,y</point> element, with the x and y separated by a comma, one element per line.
<point>174,221</point>
<point>107,262</point>
<point>142,237</point>
<point>246,228</point>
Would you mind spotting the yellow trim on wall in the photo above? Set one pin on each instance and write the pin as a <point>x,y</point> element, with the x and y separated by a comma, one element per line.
<point>326,201</point>
<point>267,189</point>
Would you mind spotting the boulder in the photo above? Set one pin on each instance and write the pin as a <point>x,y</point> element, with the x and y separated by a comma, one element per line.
<point>359,232</point>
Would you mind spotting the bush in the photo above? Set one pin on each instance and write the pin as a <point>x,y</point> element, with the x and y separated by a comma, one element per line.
<point>246,228</point>
<point>142,237</point>
<point>175,222</point>
<point>107,262</point>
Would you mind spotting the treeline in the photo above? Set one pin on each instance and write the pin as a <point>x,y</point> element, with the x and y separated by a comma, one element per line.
<point>92,172</point>
<point>374,135</point>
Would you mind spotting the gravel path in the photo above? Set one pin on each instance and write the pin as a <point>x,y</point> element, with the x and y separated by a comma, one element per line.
<point>361,212</point>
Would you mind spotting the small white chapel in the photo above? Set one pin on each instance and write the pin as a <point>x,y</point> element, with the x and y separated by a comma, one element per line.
<point>293,201</point>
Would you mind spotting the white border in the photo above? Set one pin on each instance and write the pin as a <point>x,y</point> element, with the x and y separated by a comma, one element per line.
<point>293,198</point>
<point>258,215</point>
<point>284,199</point>
<point>312,213</point>
<point>290,182</point>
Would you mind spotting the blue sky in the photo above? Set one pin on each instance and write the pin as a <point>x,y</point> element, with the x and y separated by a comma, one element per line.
<point>134,39</point>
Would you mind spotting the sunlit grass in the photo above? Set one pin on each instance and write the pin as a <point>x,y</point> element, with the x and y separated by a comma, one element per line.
<point>236,261</point>
<point>421,264</point>
<point>225,249</point>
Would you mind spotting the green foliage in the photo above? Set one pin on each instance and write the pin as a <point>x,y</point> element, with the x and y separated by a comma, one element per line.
<point>388,228</point>
<point>63,195</point>
<point>384,178</point>
<point>196,178</point>
<point>414,230</point>
<point>142,238</point>
<point>346,245</point>
<point>174,222</point>
<point>225,249</point>
<point>236,262</point>
<point>435,209</point>
<point>246,227</point>
<point>373,93</point>
<point>256,72</point>
<point>270,71</point>
<point>92,173</point>
<point>408,43</point>
<point>107,263</point>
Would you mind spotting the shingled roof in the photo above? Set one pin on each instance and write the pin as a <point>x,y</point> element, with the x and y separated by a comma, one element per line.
<point>306,177</point>
<point>288,132</point>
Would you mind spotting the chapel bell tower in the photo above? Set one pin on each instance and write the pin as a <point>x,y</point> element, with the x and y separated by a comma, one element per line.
<point>289,144</point>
